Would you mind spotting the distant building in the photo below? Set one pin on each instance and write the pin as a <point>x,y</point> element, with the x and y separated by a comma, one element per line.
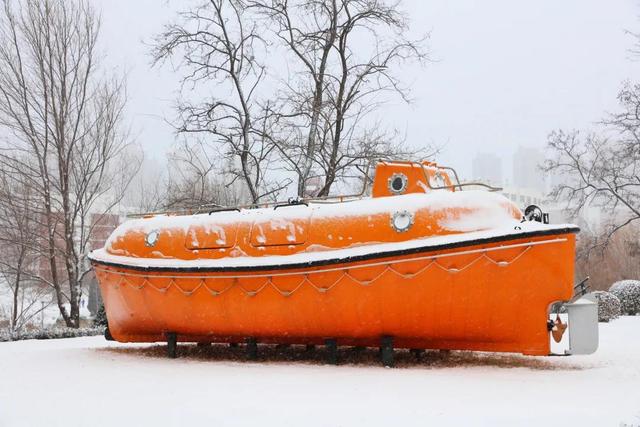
<point>487,167</point>
<point>524,197</point>
<point>589,218</point>
<point>102,225</point>
<point>313,186</point>
<point>526,169</point>
<point>99,228</point>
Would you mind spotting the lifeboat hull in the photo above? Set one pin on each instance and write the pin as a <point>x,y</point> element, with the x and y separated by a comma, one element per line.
<point>490,294</point>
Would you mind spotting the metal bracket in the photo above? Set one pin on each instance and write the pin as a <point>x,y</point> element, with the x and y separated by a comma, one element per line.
<point>291,202</point>
<point>580,290</point>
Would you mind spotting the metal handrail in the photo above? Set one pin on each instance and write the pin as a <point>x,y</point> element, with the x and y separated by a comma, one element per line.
<point>325,199</point>
<point>223,209</point>
<point>458,184</point>
<point>304,200</point>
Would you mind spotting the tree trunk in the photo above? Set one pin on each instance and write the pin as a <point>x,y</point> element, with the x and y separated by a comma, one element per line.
<point>318,98</point>
<point>16,290</point>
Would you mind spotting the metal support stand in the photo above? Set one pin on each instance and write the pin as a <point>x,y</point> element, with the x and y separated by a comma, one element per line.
<point>107,334</point>
<point>386,351</point>
<point>251,348</point>
<point>172,345</point>
<point>331,345</point>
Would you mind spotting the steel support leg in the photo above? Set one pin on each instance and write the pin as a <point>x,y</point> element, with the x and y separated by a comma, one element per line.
<point>172,345</point>
<point>251,348</point>
<point>386,351</point>
<point>107,334</point>
<point>331,345</point>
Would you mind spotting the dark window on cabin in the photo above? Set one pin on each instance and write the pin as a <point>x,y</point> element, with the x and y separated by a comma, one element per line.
<point>397,184</point>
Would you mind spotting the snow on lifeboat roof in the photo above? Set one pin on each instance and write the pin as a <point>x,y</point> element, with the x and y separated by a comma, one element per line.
<point>408,176</point>
<point>414,206</point>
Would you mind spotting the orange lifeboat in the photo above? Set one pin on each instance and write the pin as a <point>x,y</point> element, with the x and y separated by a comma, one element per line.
<point>423,262</point>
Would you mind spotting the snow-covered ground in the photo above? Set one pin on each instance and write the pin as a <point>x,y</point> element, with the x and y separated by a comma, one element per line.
<point>88,381</point>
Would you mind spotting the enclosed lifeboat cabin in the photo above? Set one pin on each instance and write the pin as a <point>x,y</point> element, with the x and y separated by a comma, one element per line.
<point>424,262</point>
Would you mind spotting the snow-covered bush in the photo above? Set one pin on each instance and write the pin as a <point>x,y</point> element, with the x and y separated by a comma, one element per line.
<point>628,292</point>
<point>608,306</point>
<point>50,333</point>
<point>101,317</point>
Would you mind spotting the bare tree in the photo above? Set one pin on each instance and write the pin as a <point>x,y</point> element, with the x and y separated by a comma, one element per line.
<point>217,47</point>
<point>340,81</point>
<point>18,251</point>
<point>147,190</point>
<point>317,124</point>
<point>198,178</point>
<point>309,30</point>
<point>66,136</point>
<point>602,169</point>
<point>618,260</point>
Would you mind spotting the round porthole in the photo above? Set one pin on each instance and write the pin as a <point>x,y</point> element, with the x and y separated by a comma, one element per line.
<point>398,183</point>
<point>152,238</point>
<point>402,221</point>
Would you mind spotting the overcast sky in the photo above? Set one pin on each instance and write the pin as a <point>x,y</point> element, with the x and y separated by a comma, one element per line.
<point>505,73</point>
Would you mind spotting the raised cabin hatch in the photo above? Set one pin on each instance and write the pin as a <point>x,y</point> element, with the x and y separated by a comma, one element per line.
<point>286,226</point>
<point>211,236</point>
<point>394,178</point>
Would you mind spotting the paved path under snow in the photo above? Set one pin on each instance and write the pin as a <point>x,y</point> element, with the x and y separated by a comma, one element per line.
<point>88,381</point>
